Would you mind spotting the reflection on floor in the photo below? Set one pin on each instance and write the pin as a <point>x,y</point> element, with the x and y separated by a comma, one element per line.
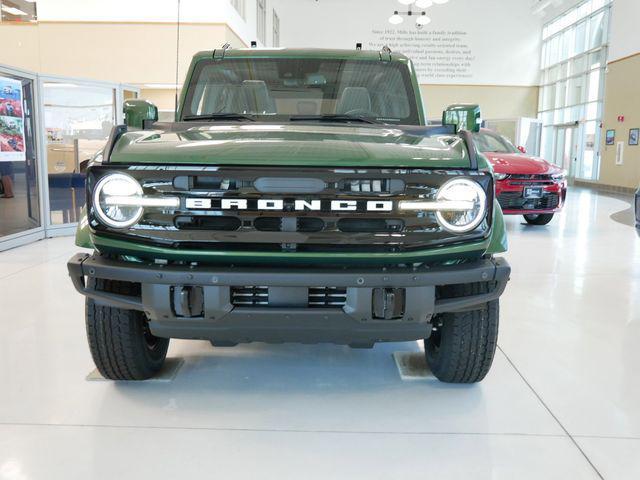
<point>561,402</point>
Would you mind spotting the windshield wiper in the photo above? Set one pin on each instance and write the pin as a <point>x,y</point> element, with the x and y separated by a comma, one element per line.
<point>330,118</point>
<point>219,116</point>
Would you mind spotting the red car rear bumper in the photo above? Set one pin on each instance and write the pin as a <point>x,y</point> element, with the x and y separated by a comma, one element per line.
<point>511,196</point>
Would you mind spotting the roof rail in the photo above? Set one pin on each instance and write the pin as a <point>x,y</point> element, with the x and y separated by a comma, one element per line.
<point>218,53</point>
<point>385,54</point>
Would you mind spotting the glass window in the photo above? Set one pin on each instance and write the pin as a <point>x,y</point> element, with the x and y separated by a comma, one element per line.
<point>261,20</point>
<point>494,143</point>
<point>576,92</point>
<point>18,11</point>
<point>594,86</point>
<point>78,120</point>
<point>597,29</point>
<point>581,37</point>
<point>574,80</point>
<point>281,89</point>
<point>239,6</point>
<point>589,157</point>
<point>19,200</point>
<point>276,29</point>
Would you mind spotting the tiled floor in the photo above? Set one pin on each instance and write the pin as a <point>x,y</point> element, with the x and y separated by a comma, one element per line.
<point>561,402</point>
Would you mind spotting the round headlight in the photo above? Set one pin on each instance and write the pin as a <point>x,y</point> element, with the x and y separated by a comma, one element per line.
<point>500,176</point>
<point>466,193</point>
<point>106,204</point>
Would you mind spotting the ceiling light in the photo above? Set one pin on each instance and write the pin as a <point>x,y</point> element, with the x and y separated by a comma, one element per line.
<point>440,2</point>
<point>395,19</point>
<point>406,2</point>
<point>13,11</point>
<point>423,20</point>
<point>423,3</point>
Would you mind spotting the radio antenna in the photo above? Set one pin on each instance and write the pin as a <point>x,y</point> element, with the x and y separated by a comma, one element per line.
<point>177,59</point>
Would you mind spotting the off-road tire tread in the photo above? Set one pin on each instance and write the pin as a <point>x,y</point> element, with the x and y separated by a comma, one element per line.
<point>469,341</point>
<point>115,339</point>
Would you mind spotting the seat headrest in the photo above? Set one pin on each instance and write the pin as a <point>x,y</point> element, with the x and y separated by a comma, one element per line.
<point>257,97</point>
<point>354,98</point>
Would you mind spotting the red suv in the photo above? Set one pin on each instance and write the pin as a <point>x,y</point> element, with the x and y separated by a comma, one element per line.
<point>525,185</point>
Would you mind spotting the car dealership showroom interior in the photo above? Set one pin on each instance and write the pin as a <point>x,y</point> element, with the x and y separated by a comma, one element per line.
<point>319,239</point>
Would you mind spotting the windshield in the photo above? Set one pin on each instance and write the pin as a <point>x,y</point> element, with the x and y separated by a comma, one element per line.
<point>283,89</point>
<point>494,143</point>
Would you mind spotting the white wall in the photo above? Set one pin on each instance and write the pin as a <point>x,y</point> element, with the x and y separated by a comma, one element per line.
<point>625,39</point>
<point>150,11</point>
<point>503,35</point>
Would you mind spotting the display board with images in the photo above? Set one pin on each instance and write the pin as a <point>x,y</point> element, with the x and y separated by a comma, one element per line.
<point>12,144</point>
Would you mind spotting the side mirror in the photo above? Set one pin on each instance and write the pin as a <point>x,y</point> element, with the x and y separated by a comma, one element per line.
<point>137,111</point>
<point>522,149</point>
<point>463,116</point>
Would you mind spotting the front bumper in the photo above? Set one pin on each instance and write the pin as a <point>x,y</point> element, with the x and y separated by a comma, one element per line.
<point>510,196</point>
<point>286,317</point>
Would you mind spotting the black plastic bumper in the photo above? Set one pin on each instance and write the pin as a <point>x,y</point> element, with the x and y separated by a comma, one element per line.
<point>353,323</point>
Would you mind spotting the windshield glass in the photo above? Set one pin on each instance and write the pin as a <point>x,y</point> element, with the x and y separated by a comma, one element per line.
<point>279,89</point>
<point>494,143</point>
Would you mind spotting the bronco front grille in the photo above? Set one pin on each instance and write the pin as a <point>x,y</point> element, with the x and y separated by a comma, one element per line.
<point>305,219</point>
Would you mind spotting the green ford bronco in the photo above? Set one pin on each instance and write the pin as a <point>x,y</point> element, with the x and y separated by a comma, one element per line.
<point>300,196</point>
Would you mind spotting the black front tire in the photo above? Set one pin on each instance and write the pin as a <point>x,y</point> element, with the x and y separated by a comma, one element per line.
<point>121,344</point>
<point>462,346</point>
<point>538,218</point>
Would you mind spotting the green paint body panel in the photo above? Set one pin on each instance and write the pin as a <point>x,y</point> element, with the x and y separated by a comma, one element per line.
<point>302,145</point>
<point>291,145</point>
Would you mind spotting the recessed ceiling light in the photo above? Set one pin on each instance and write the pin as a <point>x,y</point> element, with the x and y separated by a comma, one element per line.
<point>423,20</point>
<point>395,19</point>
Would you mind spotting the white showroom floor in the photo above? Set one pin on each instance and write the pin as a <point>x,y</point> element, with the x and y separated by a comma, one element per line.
<point>561,402</point>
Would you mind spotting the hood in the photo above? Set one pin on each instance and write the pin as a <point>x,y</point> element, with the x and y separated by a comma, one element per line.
<point>519,164</point>
<point>291,145</point>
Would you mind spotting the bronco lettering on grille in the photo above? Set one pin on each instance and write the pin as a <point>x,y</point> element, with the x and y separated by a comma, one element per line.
<point>278,204</point>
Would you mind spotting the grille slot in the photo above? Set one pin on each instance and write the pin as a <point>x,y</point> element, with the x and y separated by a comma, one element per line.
<point>515,201</point>
<point>327,297</point>
<point>192,222</point>
<point>302,224</point>
<point>204,182</point>
<point>531,180</point>
<point>249,296</point>
<point>370,225</point>
<point>372,185</point>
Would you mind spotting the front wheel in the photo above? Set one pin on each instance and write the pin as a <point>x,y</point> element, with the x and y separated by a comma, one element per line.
<point>121,344</point>
<point>462,346</point>
<point>538,218</point>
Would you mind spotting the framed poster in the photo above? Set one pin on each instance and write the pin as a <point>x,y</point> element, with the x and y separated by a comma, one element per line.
<point>634,133</point>
<point>611,137</point>
<point>11,121</point>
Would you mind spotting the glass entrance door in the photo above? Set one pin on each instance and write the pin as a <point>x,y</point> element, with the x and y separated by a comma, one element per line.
<point>20,206</point>
<point>566,149</point>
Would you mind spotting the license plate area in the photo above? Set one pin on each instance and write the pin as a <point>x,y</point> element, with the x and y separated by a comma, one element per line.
<point>532,192</point>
